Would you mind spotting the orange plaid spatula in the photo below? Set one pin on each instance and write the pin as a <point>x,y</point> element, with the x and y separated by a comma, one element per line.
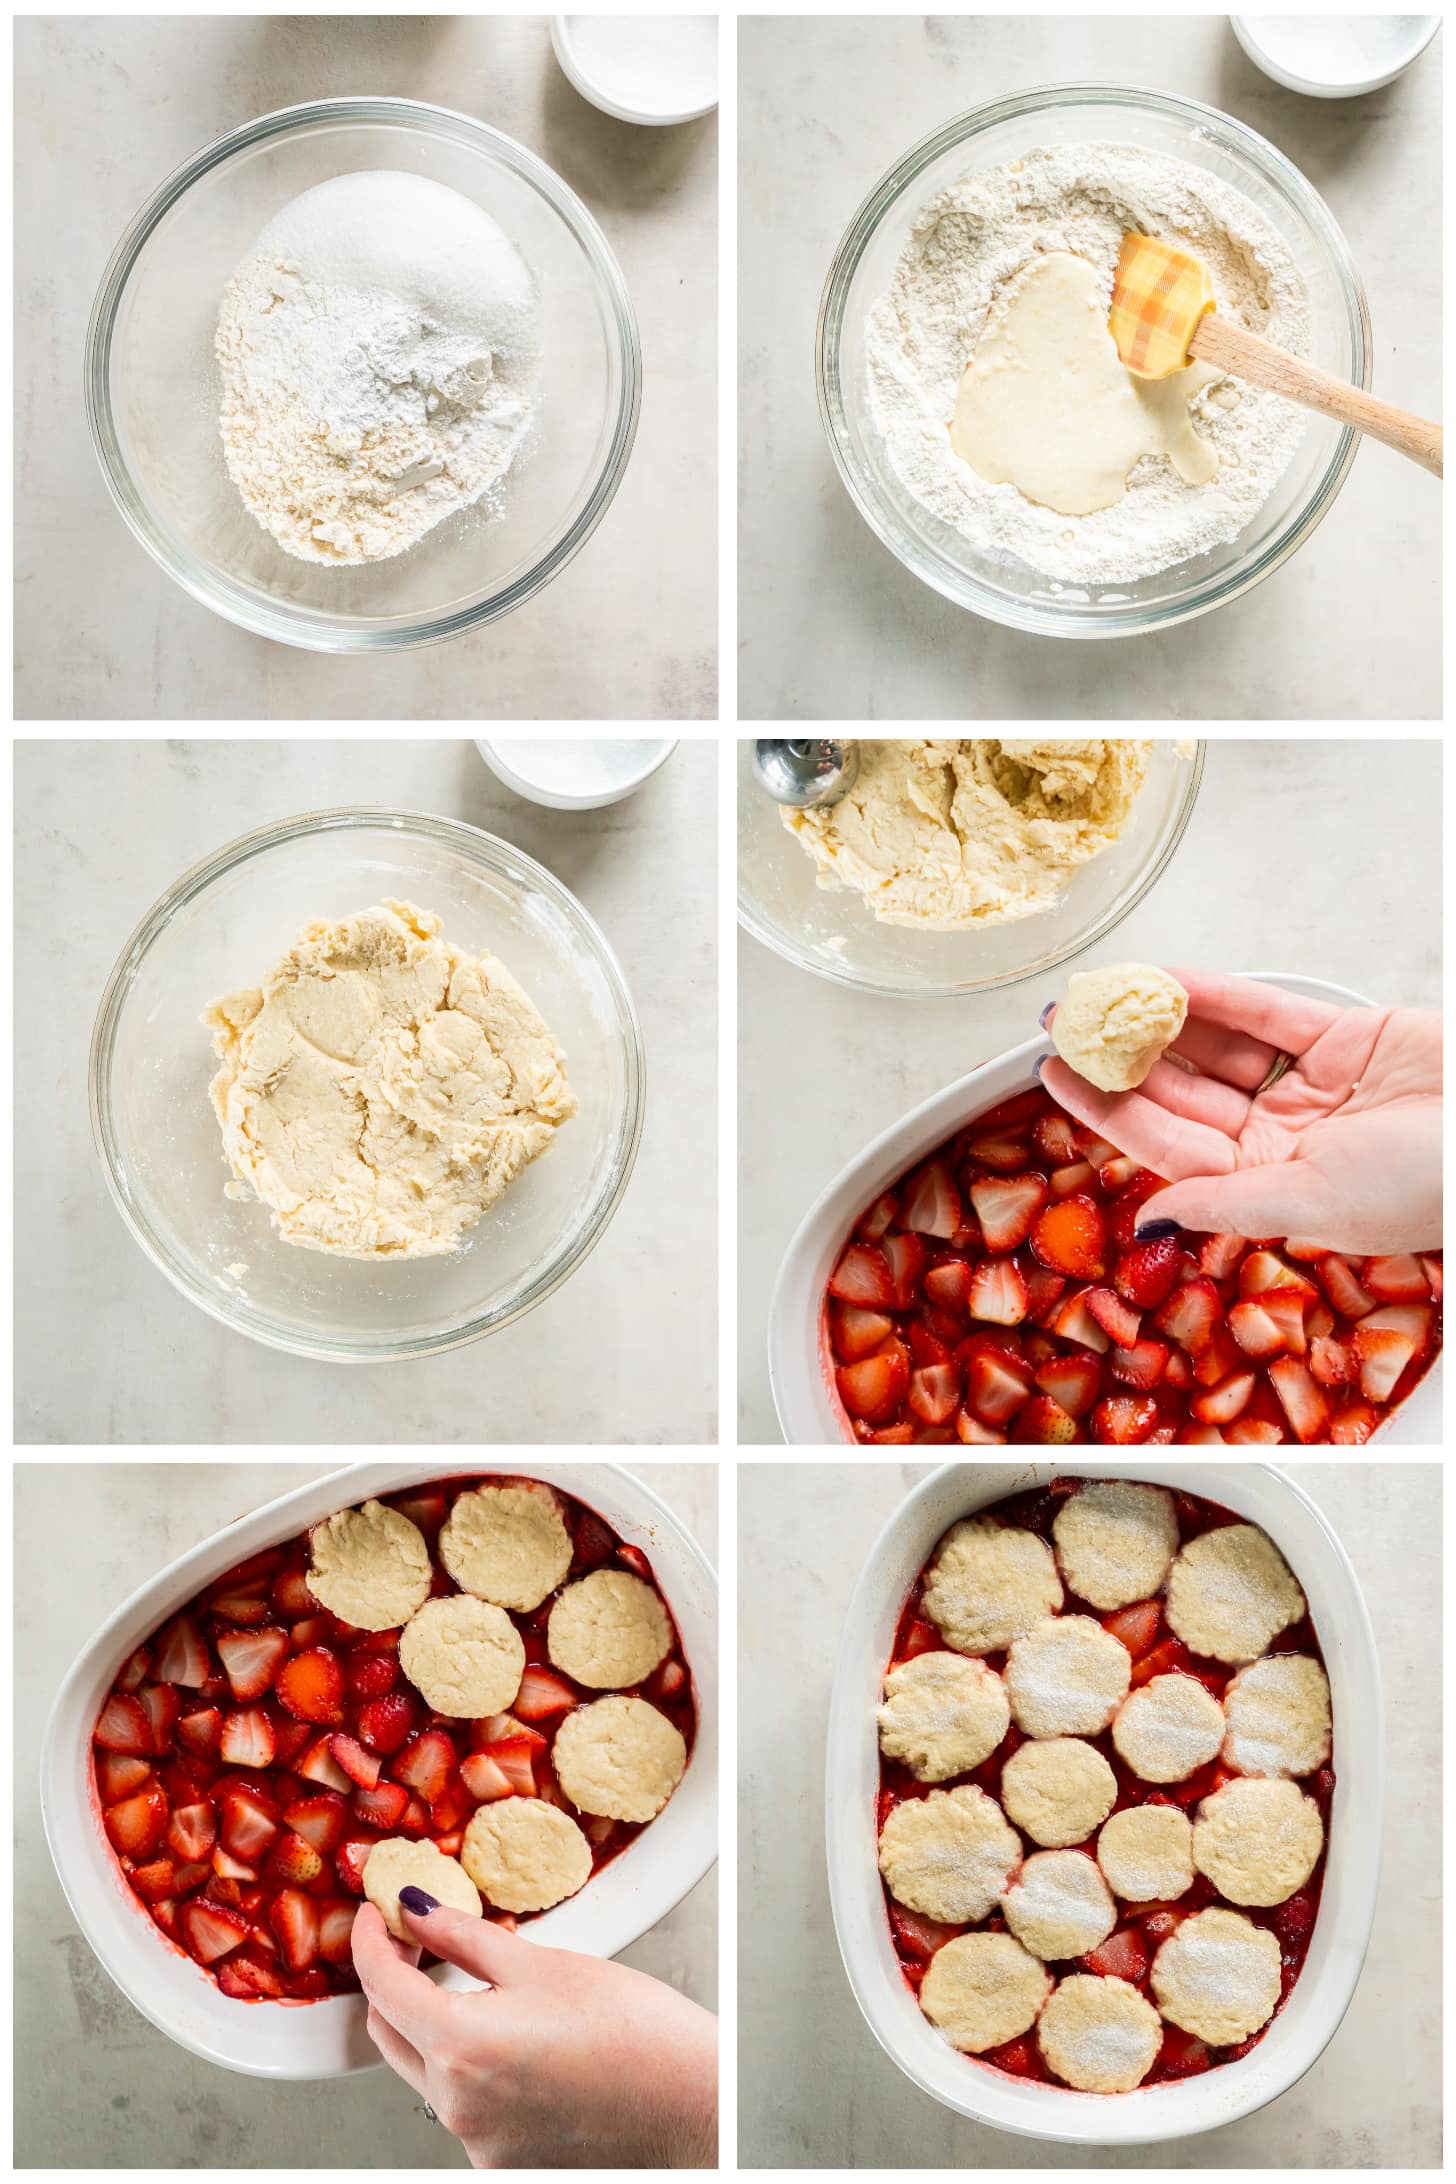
<point>1164,316</point>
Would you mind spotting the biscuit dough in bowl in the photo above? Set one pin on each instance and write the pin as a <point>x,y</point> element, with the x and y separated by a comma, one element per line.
<point>380,1089</point>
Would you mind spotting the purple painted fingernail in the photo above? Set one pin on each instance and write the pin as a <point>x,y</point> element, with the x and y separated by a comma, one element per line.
<point>1040,1064</point>
<point>1153,1232</point>
<point>417,1900</point>
<point>1046,1012</point>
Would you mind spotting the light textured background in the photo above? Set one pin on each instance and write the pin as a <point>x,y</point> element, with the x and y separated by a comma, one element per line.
<point>815,2088</point>
<point>105,108</point>
<point>832,626</point>
<point>97,2086</point>
<point>107,1350</point>
<point>1306,855</point>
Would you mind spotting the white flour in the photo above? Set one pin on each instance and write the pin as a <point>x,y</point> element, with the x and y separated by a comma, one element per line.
<point>379,349</point>
<point>964,250</point>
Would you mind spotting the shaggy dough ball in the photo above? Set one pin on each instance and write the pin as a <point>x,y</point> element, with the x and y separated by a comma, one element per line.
<point>507,1544</point>
<point>463,1656</point>
<point>1116,1021</point>
<point>608,1630</point>
<point>1059,1791</point>
<point>369,1566</point>
<point>1258,1840</point>
<point>943,1714</point>
<point>989,1584</point>
<point>619,1757</point>
<point>948,1855</point>
<point>982,1990</point>
<point>401,1862</point>
<point>1058,1905</point>
<point>1278,1714</point>
<point>1067,1677</point>
<point>382,1089</point>
<point>1230,1593</point>
<point>525,1855</point>
<point>1169,1728</point>
<point>1099,2035</point>
<point>1218,1977</point>
<point>1115,1540</point>
<point>1146,1853</point>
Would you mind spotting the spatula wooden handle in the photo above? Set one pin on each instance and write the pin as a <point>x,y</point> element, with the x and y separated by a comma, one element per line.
<point>1234,349</point>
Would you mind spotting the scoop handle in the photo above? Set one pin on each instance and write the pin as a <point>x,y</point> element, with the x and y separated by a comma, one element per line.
<point>1233,349</point>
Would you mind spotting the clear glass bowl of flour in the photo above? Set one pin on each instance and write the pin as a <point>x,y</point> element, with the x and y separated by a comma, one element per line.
<point>218,928</point>
<point>832,931</point>
<point>152,382</point>
<point>1006,129</point>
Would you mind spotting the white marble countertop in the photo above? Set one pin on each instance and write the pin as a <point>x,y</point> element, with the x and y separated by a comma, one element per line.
<point>105,108</point>
<point>107,1351</point>
<point>816,2090</point>
<point>1303,854</point>
<point>832,626</point>
<point>97,2087</point>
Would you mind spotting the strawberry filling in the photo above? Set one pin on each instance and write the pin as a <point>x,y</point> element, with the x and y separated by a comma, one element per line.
<point>252,1752</point>
<point>997,1293</point>
<point>1129,1950</point>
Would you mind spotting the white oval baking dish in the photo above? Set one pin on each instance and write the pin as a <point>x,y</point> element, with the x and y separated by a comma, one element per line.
<point>1308,2021</point>
<point>327,2039</point>
<point>801,1371</point>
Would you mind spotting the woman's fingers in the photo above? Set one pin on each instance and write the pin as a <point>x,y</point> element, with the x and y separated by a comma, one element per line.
<point>1230,1056</point>
<point>399,1992</point>
<point>1289,1199</point>
<point>1196,1098</point>
<point>1285,1021</point>
<point>1167,1143</point>
<point>402,2059</point>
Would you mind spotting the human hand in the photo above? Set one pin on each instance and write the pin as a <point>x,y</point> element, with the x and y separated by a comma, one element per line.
<point>1344,1150</point>
<point>568,2062</point>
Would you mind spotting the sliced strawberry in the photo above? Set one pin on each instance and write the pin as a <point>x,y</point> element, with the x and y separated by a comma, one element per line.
<point>1123,1955</point>
<point>1003,1155</point>
<point>1305,1403</point>
<point>1072,1382</point>
<point>118,1774</point>
<point>1071,1237</point>
<point>999,1292</point>
<point>138,1668</point>
<point>335,1928</point>
<point>1181,2054</point>
<point>1054,1139</point>
<point>1219,1357</point>
<point>1178,1372</point>
<point>996,1387</point>
<point>542,1694</point>
<point>192,1832</point>
<point>1126,1209</point>
<point>906,1257</point>
<point>935,1390</point>
<point>1343,1286</point>
<point>291,1597</point>
<point>355,1764</point>
<point>1114,1315</point>
<point>880,1217</point>
<point>1201,1437</point>
<point>161,1704</point>
<point>1221,1405</point>
<point>247,1738</point>
<point>1256,1331</point>
<point>1006,1207</point>
<point>926,1346</point>
<point>948,1288</point>
<point>1190,1314</point>
<point>1416,1321</point>
<point>1381,1356</point>
<point>138,1825</point>
<point>183,1657</point>
<point>1331,1363</point>
<point>1286,1308</point>
<point>1148,1272</point>
<point>1255,1432</point>
<point>1218,1256</point>
<point>920,1936</point>
<point>970,1429</point>
<point>251,1659</point>
<point>1264,1270</point>
<point>384,1806</point>
<point>862,1277</point>
<point>311,1686</point>
<point>1044,1423</point>
<point>320,1819</point>
<point>210,1930</point>
<point>875,1388</point>
<point>249,1825</point>
<point>294,1918</point>
<point>1043,1288</point>
<point>1137,1626</point>
<point>1076,1175</point>
<point>1352,1425</point>
<point>388,1723</point>
<point>1435,1277</point>
<point>1124,1419</point>
<point>516,1759</point>
<point>933,1204</point>
<point>124,1726</point>
<point>1140,1364</point>
<point>1398,1279</point>
<point>1074,1323</point>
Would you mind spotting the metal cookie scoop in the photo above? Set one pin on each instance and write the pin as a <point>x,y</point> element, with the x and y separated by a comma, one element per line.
<point>806,775</point>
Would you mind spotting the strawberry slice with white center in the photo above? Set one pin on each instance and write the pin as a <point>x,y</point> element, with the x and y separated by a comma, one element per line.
<point>998,1292</point>
<point>1343,1286</point>
<point>247,1738</point>
<point>542,1694</point>
<point>1264,1270</point>
<point>124,1726</point>
<point>1006,1207</point>
<point>1256,1331</point>
<point>935,1390</point>
<point>1072,1382</point>
<point>1136,1627</point>
<point>996,1386</point>
<point>970,1429</point>
<point>863,1278</point>
<point>1123,1955</point>
<point>118,1774</point>
<point>1044,1423</point>
<point>1381,1356</point>
<point>1003,1155</point>
<point>1055,1139</point>
<point>947,1287</point>
<point>427,1764</point>
<point>138,1825</point>
<point>1398,1279</point>
<point>183,1656</point>
<point>906,1257</point>
<point>1331,1362</point>
<point>1353,1424</point>
<point>1221,1405</point>
<point>335,1931</point>
<point>321,1819</point>
<point>1306,1405</point>
<point>1114,1315</point>
<point>856,1332</point>
<point>1043,1288</point>
<point>251,1659</point>
<point>192,1832</point>
<point>933,1204</point>
<point>210,1930</point>
<point>1219,1256</point>
<point>1141,1364</point>
<point>1073,1321</point>
<point>513,1760</point>
<point>880,1217</point>
<point>1124,1419</point>
<point>294,1918</point>
<point>249,1825</point>
<point>1071,1237</point>
<point>1190,1314</point>
<point>1255,1432</point>
<point>875,1388</point>
<point>1076,1175</point>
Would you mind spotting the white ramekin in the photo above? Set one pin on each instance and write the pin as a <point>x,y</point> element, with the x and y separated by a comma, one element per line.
<point>801,1370</point>
<point>1308,2021</point>
<point>327,2039</point>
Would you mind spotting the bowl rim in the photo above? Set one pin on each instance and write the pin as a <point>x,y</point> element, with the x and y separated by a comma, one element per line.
<point>564,47</point>
<point>327,2039</point>
<point>211,587</point>
<point>496,854</point>
<point>1038,616</point>
<point>860,982</point>
<point>1347,1907</point>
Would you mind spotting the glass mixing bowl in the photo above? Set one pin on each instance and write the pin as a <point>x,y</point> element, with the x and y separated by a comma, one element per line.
<point>832,931</point>
<point>152,383</point>
<point>1009,591</point>
<point>219,928</point>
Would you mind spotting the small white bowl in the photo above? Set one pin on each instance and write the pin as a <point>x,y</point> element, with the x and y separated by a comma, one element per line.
<point>801,1369</point>
<point>327,2039</point>
<point>1267,41</point>
<point>576,774</point>
<point>1308,2022</point>
<point>578,69</point>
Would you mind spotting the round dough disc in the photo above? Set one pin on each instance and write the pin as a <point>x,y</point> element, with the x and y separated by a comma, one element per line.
<point>1146,1853</point>
<point>948,1855</point>
<point>1115,1540</point>
<point>1258,1839</point>
<point>989,1583</point>
<point>1099,2035</point>
<point>1230,1593</point>
<point>525,1855</point>
<point>1058,1905</point>
<point>1058,1791</point>
<point>1169,1728</point>
<point>619,1757</point>
<point>608,1631</point>
<point>982,1990</point>
<point>1278,1715</point>
<point>402,1861</point>
<point>1067,1677</point>
<point>943,1714</point>
<point>369,1566</point>
<point>1218,1977</point>
<point>464,1657</point>
<point>507,1544</point>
